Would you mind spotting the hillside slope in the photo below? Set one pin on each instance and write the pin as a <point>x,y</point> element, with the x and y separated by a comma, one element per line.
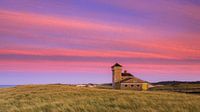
<point>179,87</point>
<point>61,98</point>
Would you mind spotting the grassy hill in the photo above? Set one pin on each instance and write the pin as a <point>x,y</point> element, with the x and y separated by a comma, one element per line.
<point>192,87</point>
<point>175,82</point>
<point>61,98</point>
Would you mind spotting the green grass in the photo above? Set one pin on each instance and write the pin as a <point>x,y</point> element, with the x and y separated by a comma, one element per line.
<point>61,98</point>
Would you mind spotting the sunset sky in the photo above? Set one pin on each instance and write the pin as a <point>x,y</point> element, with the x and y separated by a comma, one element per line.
<point>77,41</point>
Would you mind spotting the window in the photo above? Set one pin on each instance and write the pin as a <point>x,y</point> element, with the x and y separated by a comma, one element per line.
<point>131,85</point>
<point>138,85</point>
<point>126,85</point>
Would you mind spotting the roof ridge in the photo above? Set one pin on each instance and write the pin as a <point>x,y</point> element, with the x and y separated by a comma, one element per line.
<point>116,64</point>
<point>134,78</point>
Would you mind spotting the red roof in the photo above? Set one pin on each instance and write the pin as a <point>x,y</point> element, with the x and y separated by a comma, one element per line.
<point>126,74</point>
<point>116,65</point>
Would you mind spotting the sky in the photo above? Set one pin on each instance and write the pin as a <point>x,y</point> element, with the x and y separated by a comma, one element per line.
<point>77,41</point>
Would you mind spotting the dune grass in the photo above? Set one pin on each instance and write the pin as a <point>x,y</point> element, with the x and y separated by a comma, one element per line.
<point>185,88</point>
<point>61,98</point>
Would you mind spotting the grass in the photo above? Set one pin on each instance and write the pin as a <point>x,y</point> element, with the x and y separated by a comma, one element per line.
<point>184,88</point>
<point>61,98</point>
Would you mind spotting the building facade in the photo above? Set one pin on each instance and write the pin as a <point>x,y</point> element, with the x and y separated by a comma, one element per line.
<point>126,80</point>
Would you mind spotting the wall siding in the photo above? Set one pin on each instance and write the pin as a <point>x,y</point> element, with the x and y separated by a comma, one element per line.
<point>134,86</point>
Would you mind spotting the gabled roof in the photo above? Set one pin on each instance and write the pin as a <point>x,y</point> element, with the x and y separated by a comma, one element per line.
<point>126,74</point>
<point>116,65</point>
<point>132,80</point>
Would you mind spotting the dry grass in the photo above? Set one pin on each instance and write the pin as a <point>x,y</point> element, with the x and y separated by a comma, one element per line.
<point>185,88</point>
<point>60,98</point>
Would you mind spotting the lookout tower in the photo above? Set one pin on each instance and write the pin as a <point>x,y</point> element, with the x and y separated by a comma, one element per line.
<point>116,74</point>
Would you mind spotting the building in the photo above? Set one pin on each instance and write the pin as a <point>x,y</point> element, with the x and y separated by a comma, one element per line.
<point>126,80</point>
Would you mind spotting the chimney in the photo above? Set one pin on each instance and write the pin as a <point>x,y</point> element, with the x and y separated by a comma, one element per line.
<point>125,71</point>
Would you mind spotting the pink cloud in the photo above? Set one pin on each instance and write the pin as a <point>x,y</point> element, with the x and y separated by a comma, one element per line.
<point>166,48</point>
<point>87,53</point>
<point>52,66</point>
<point>30,19</point>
